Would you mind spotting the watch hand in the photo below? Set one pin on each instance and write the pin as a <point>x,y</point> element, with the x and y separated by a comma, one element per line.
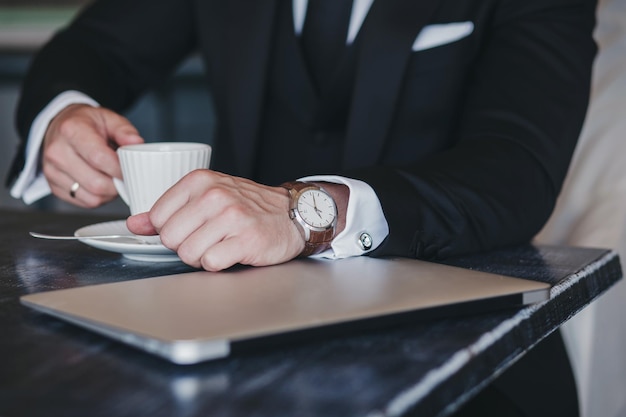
<point>314,202</point>
<point>318,211</point>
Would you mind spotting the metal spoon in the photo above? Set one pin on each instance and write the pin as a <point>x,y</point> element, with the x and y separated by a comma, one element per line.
<point>66,237</point>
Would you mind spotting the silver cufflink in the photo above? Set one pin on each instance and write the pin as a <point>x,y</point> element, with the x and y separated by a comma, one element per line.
<point>365,241</point>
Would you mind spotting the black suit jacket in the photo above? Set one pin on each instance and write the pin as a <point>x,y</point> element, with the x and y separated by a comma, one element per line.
<point>466,144</point>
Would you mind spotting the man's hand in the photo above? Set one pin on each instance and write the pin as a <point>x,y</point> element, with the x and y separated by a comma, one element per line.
<point>79,146</point>
<point>214,221</point>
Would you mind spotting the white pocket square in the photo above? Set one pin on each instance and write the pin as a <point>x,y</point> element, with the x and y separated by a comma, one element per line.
<point>440,34</point>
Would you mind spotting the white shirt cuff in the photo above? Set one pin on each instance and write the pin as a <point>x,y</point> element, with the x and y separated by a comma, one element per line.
<point>31,185</point>
<point>364,215</point>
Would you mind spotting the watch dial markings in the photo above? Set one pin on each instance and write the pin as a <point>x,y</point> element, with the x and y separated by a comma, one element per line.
<point>316,209</point>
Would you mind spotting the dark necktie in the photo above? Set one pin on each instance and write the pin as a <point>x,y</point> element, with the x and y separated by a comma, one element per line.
<point>324,37</point>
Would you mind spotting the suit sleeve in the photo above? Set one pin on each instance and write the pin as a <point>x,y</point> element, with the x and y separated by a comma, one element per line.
<point>521,118</point>
<point>106,54</point>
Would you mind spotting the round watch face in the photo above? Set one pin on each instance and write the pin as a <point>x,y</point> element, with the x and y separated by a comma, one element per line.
<point>317,208</point>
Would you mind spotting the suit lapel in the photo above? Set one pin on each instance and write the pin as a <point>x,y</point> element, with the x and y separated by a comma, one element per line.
<point>386,38</point>
<point>248,43</point>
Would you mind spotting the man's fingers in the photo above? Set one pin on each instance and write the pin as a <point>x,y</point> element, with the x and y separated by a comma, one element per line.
<point>188,200</point>
<point>140,224</point>
<point>222,255</point>
<point>214,221</point>
<point>79,146</point>
<point>112,131</point>
<point>65,188</point>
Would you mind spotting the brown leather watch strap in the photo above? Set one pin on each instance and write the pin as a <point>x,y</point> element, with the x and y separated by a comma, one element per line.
<point>297,186</point>
<point>320,241</point>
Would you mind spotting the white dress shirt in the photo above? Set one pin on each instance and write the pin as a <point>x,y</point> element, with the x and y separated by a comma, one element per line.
<point>364,212</point>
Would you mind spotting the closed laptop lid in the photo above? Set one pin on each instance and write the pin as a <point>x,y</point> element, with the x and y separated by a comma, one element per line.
<point>192,317</point>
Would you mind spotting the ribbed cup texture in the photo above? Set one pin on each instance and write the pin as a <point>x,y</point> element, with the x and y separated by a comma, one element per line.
<point>148,174</point>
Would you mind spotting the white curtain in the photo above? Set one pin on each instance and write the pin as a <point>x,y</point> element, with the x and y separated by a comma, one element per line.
<point>591,211</point>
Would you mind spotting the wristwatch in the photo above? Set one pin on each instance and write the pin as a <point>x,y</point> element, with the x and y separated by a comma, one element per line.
<point>314,212</point>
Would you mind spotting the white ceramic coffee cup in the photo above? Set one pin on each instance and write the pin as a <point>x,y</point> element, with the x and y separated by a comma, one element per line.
<point>150,169</point>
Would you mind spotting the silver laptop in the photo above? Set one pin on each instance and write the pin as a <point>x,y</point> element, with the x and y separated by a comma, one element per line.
<point>192,317</point>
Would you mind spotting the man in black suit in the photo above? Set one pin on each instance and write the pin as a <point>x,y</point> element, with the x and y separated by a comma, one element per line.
<point>443,127</point>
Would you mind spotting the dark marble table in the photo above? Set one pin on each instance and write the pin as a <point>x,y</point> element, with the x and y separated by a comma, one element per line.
<point>51,368</point>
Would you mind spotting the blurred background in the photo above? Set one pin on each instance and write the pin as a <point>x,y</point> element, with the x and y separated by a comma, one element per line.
<point>181,110</point>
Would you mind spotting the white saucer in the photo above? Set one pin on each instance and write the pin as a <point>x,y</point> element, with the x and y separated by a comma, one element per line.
<point>149,251</point>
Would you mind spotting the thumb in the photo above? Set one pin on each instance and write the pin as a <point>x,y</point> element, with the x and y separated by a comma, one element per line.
<point>140,224</point>
<point>127,137</point>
